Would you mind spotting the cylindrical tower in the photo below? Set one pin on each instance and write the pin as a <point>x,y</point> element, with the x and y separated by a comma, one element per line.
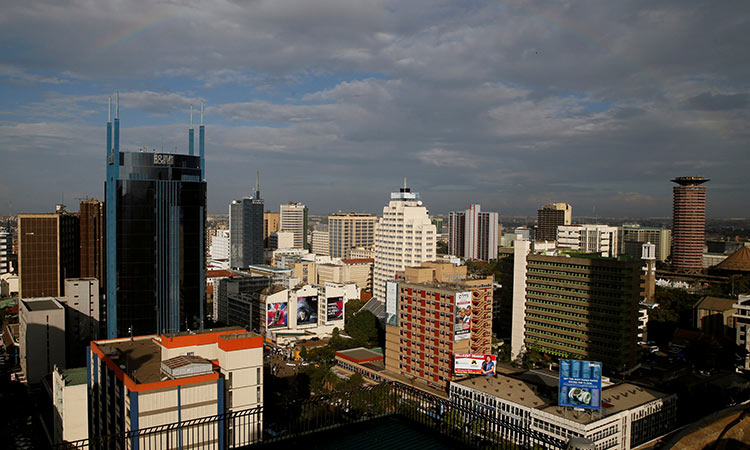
<point>688,224</point>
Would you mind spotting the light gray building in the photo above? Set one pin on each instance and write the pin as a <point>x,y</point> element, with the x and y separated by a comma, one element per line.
<point>41,331</point>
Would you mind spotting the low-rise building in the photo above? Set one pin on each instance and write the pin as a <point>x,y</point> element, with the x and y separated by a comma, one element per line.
<point>147,381</point>
<point>358,271</point>
<point>630,414</point>
<point>235,299</point>
<point>70,403</point>
<point>715,316</point>
<point>360,253</point>
<point>41,325</point>
<point>602,239</point>
<point>285,314</point>
<point>8,285</point>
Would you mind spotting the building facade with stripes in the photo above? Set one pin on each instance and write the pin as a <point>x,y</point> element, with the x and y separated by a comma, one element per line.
<point>146,381</point>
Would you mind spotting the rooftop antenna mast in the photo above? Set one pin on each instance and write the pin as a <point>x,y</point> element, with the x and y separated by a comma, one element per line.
<point>191,134</point>
<point>257,185</point>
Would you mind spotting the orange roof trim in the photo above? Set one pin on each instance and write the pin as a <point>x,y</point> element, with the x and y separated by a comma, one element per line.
<point>195,339</point>
<point>229,345</point>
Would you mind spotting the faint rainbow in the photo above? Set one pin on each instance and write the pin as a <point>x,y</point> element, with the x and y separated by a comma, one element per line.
<point>129,32</point>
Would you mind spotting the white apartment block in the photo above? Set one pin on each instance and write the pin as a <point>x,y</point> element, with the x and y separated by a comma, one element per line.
<point>41,331</point>
<point>71,402</point>
<point>220,248</point>
<point>84,309</point>
<point>589,238</point>
<point>293,218</point>
<point>320,243</point>
<point>405,236</point>
<point>6,247</point>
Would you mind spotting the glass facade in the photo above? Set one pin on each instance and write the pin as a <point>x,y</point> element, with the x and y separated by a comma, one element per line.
<point>246,232</point>
<point>159,224</point>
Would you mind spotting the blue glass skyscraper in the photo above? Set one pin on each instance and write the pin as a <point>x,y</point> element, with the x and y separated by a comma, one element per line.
<point>155,215</point>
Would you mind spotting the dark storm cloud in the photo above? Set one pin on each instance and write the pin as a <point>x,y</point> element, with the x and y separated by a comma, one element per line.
<point>717,102</point>
<point>509,103</point>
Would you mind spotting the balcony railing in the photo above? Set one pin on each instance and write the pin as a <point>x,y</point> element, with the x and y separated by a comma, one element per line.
<point>460,425</point>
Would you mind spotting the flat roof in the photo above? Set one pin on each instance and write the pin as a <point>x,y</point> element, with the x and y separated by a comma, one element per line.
<point>140,359</point>
<point>716,303</point>
<point>359,354</point>
<point>507,388</point>
<point>615,398</point>
<point>41,304</point>
<point>75,376</point>
<point>206,331</point>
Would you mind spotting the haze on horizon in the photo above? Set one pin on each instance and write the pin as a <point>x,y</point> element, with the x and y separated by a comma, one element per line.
<point>508,104</point>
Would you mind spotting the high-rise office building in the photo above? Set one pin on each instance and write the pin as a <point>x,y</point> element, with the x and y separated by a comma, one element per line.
<point>270,225</point>
<point>350,230</point>
<point>589,238</point>
<point>473,234</point>
<point>632,238</point>
<point>549,218</point>
<point>48,253</point>
<point>246,230</point>
<point>456,232</point>
<point>92,239</point>
<point>405,236</point>
<point>688,224</point>
<point>293,218</point>
<point>576,307</point>
<point>433,312</point>
<point>156,215</point>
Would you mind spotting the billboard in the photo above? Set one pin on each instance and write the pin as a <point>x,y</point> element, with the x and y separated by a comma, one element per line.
<point>475,364</point>
<point>391,302</point>
<point>462,327</point>
<point>580,384</point>
<point>277,315</point>
<point>334,308</point>
<point>307,310</point>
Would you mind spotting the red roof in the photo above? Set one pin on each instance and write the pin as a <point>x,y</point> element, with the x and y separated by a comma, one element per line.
<point>219,274</point>
<point>357,260</point>
<point>364,295</point>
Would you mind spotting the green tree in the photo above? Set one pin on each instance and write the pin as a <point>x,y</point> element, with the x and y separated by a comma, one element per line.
<point>364,327</point>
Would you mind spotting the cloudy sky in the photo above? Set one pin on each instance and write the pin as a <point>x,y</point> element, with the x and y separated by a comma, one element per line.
<point>510,104</point>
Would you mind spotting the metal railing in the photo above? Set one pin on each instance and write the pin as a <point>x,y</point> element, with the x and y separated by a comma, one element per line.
<point>469,427</point>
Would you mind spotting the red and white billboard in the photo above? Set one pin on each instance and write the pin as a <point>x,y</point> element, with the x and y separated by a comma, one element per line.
<point>475,364</point>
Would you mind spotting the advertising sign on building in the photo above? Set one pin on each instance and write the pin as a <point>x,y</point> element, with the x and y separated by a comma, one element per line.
<point>307,310</point>
<point>277,315</point>
<point>391,302</point>
<point>580,384</point>
<point>462,327</point>
<point>474,364</point>
<point>334,308</point>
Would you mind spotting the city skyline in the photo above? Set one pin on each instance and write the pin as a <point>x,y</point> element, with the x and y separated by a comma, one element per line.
<point>474,102</point>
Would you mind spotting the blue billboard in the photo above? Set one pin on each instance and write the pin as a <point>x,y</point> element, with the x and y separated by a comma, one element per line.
<point>580,384</point>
